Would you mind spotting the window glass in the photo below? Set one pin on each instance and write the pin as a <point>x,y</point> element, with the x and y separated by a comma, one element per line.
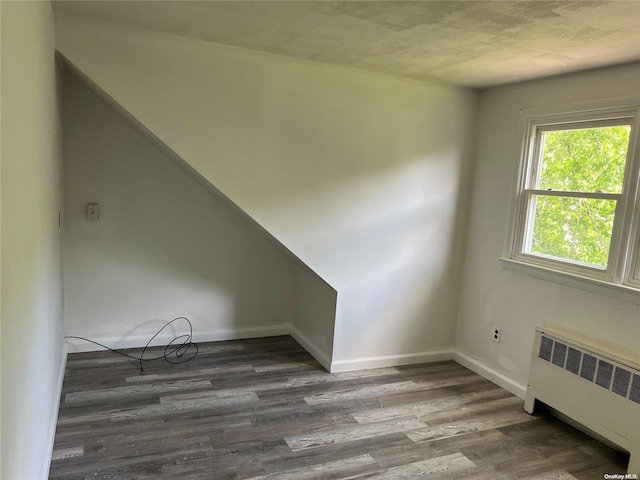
<point>584,160</point>
<point>574,229</point>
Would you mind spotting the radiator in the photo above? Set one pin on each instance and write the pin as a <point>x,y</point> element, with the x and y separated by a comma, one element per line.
<point>594,383</point>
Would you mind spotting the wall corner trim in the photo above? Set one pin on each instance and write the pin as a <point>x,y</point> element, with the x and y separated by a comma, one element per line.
<point>51,433</point>
<point>490,374</point>
<point>364,363</point>
<point>310,347</point>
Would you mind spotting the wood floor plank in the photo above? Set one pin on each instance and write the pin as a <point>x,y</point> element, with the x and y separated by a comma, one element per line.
<point>343,467</point>
<point>352,432</point>
<point>128,461</point>
<point>430,468</point>
<point>264,408</point>
<point>456,428</point>
<point>168,408</point>
<point>356,394</point>
<point>282,461</point>
<point>185,373</point>
<point>68,452</point>
<point>559,475</point>
<point>108,394</point>
<point>432,407</point>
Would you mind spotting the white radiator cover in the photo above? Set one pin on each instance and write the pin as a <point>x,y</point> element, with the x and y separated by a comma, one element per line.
<point>594,383</point>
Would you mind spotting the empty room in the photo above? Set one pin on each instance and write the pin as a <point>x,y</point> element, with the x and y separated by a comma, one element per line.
<point>320,240</point>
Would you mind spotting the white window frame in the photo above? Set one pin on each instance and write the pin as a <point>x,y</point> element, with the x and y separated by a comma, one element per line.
<point>623,268</point>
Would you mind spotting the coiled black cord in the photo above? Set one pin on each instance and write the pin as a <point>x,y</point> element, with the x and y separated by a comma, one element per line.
<point>179,349</point>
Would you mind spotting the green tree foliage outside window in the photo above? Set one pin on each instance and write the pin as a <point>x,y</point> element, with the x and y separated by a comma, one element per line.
<point>581,160</point>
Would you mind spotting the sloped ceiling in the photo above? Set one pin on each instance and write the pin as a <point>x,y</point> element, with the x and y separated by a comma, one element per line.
<point>466,43</point>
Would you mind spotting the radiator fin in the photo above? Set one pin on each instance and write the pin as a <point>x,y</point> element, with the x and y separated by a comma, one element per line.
<point>605,372</point>
<point>593,369</point>
<point>546,345</point>
<point>559,354</point>
<point>573,360</point>
<point>621,380</point>
<point>588,369</point>
<point>634,394</point>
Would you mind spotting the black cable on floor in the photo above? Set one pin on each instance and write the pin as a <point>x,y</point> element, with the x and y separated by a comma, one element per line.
<point>179,349</point>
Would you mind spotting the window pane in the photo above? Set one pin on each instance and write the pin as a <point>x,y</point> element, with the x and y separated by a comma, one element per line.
<point>584,160</point>
<point>575,229</point>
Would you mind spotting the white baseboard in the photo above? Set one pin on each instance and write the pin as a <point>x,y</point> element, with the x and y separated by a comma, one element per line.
<point>310,347</point>
<point>490,374</point>
<point>138,341</point>
<point>364,363</point>
<point>51,434</point>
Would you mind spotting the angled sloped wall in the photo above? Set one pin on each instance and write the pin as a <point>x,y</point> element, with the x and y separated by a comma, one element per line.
<point>362,176</point>
<point>166,243</point>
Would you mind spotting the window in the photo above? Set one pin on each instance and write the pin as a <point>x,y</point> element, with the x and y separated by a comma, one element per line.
<point>577,208</point>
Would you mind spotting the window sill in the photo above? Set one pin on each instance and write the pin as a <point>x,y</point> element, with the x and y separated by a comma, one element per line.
<point>613,290</point>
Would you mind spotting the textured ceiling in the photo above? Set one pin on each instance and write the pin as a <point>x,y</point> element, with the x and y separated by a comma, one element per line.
<point>467,43</point>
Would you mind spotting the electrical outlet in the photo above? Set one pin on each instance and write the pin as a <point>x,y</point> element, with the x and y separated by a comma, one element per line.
<point>496,334</point>
<point>93,212</point>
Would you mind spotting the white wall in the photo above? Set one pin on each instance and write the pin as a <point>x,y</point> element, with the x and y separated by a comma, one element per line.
<point>360,175</point>
<point>164,246</point>
<point>313,314</point>
<point>32,327</point>
<point>516,302</point>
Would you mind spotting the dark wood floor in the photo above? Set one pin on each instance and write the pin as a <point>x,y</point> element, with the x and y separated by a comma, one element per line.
<point>265,409</point>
